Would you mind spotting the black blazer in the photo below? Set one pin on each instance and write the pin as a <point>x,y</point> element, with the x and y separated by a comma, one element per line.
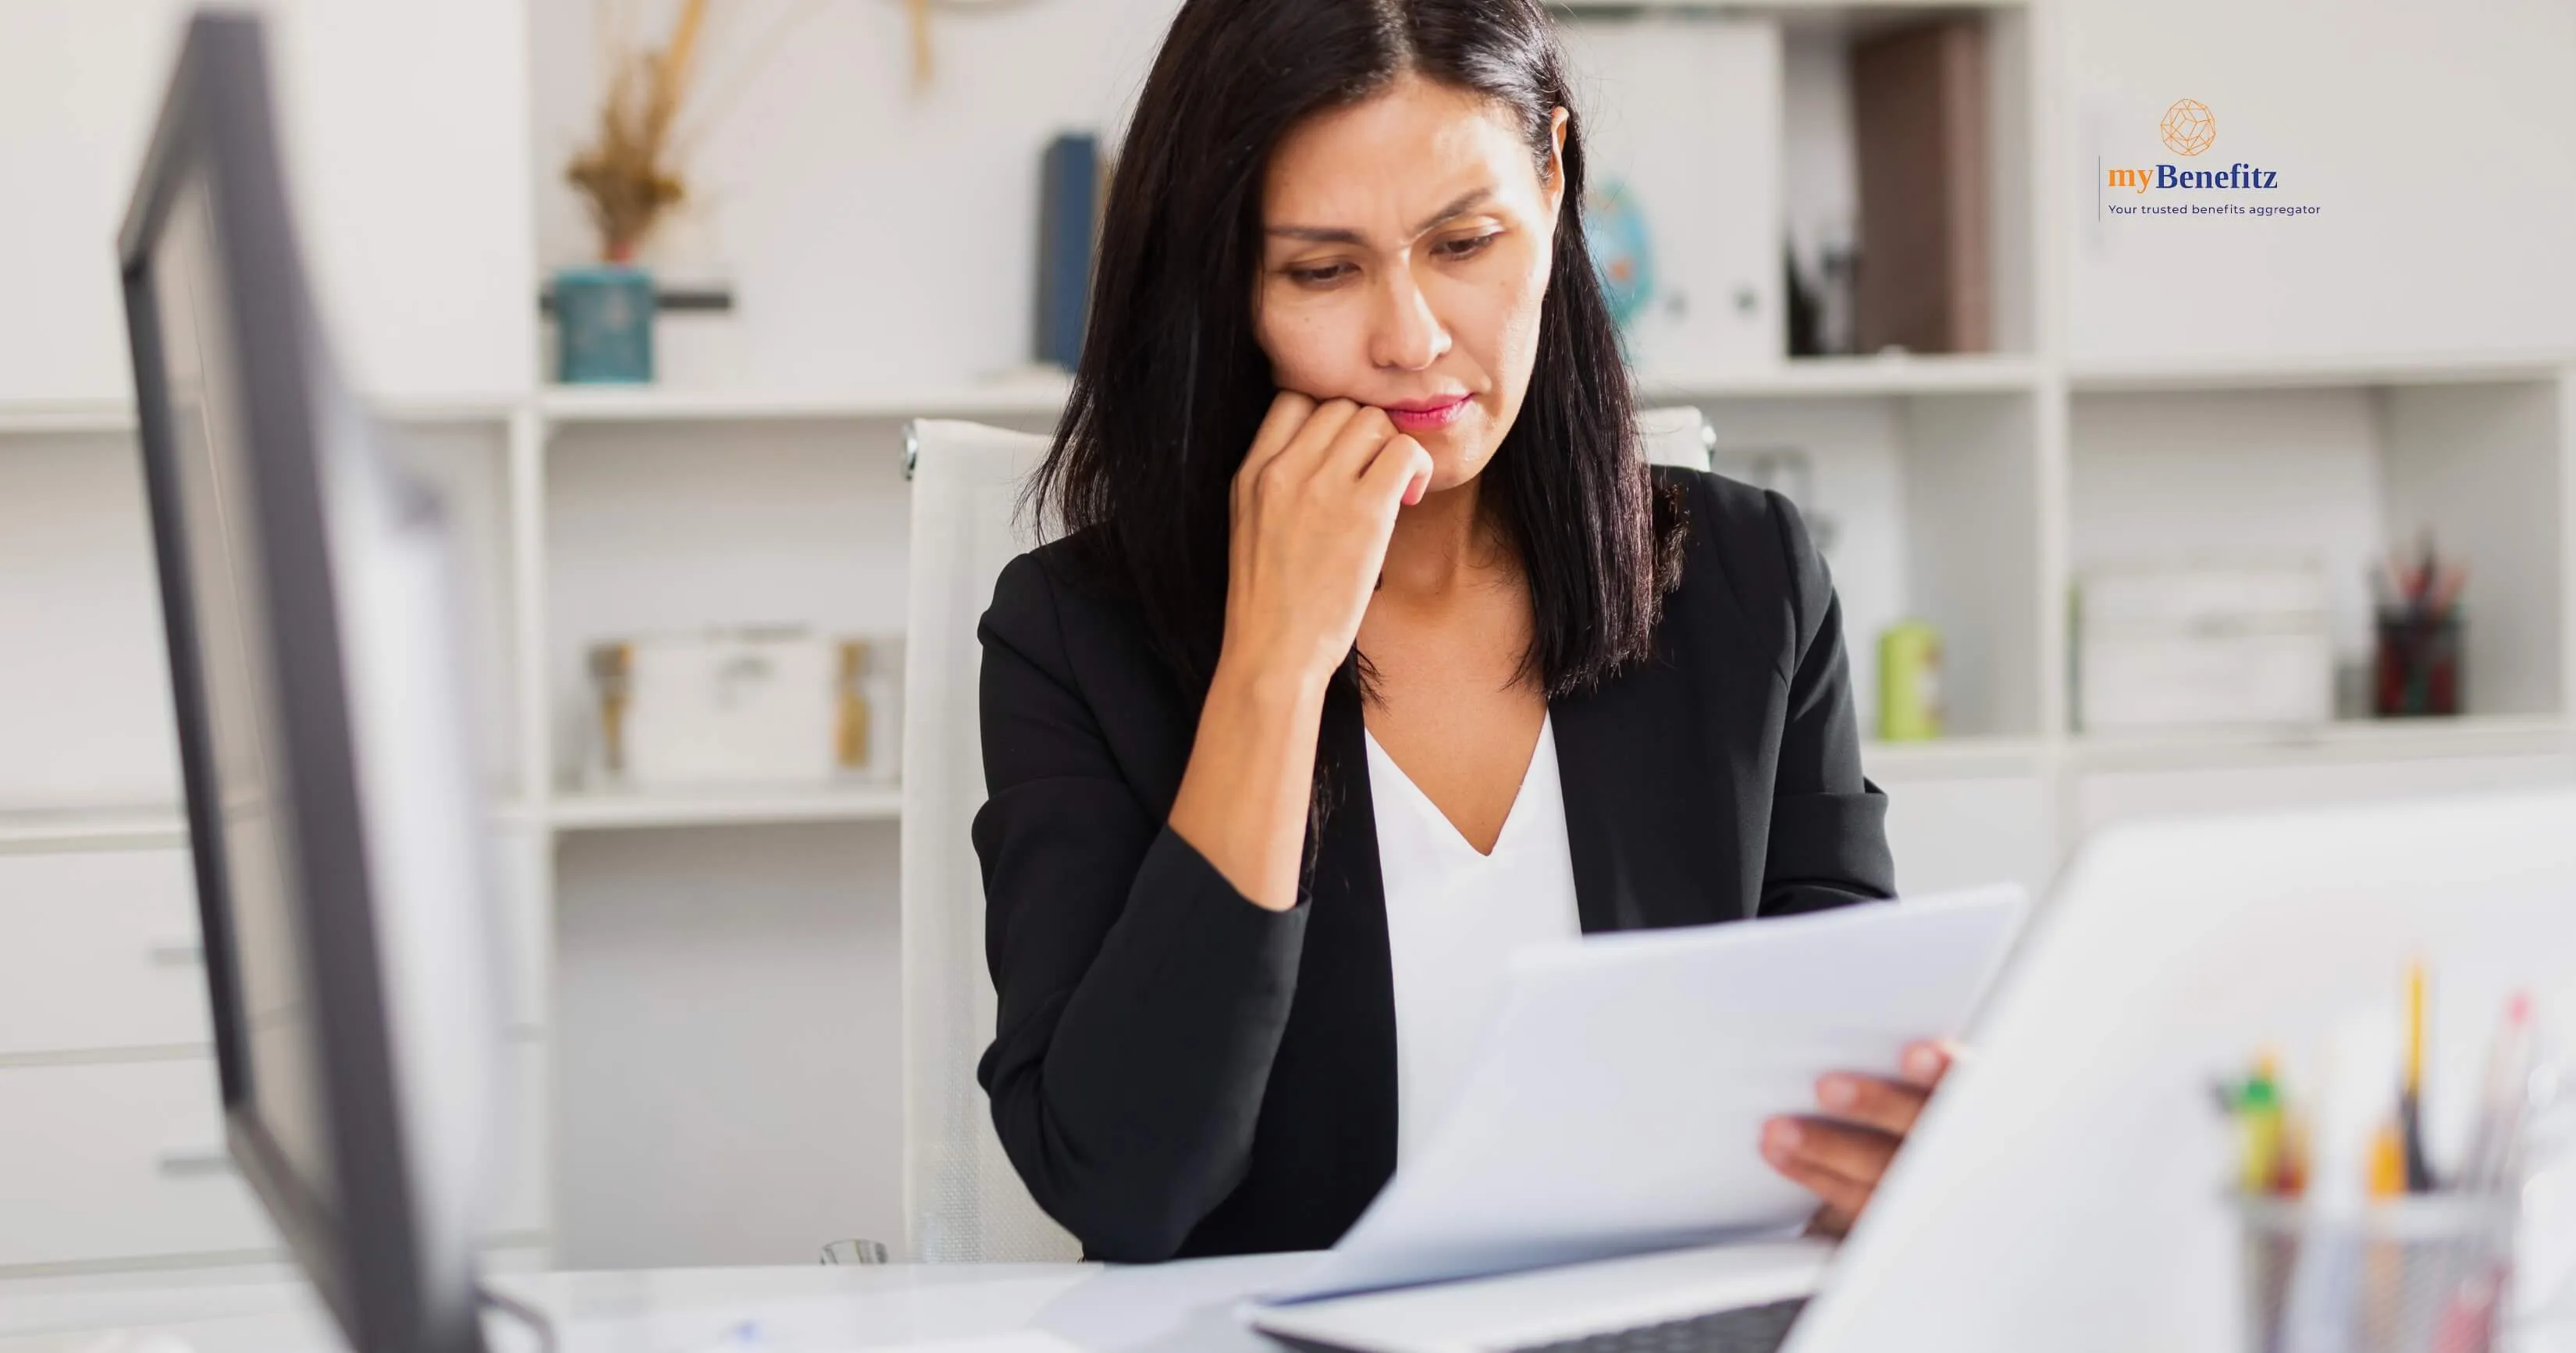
<point>1178,1071</point>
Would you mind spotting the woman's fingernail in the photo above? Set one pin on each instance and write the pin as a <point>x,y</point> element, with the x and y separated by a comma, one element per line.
<point>1837,1092</point>
<point>1923,1063</point>
<point>1781,1137</point>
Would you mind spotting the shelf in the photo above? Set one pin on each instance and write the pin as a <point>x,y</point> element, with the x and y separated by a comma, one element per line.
<point>68,416</point>
<point>616,810</point>
<point>141,828</point>
<point>116,416</point>
<point>2476,735</point>
<point>1031,397</point>
<point>1958,758</point>
<point>92,829</point>
<point>2288,373</point>
<point>1855,377</point>
<point>443,410</point>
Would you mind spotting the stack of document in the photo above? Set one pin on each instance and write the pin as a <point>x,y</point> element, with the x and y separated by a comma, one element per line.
<point>1618,1099</point>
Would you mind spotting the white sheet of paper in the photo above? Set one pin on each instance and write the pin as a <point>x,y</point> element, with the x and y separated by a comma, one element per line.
<point>1617,1101</point>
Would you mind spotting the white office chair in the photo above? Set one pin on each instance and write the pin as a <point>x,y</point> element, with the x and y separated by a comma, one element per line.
<point>962,1200</point>
<point>963,1203</point>
<point>1678,435</point>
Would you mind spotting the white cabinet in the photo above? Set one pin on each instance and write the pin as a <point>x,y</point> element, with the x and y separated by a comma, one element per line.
<point>111,1144</point>
<point>119,1161</point>
<point>102,952</point>
<point>1682,117</point>
<point>114,1163</point>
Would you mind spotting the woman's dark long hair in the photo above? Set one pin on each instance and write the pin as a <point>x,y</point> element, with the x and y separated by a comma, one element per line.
<point>1173,384</point>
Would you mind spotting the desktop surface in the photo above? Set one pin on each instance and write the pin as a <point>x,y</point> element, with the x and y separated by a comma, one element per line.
<point>995,1308</point>
<point>950,1308</point>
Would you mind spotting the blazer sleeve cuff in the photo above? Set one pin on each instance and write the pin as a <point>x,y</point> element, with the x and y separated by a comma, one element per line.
<point>1156,1071</point>
<point>1828,850</point>
<point>1179,894</point>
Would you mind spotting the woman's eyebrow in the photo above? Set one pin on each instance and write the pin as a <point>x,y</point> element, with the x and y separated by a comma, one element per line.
<point>1457,206</point>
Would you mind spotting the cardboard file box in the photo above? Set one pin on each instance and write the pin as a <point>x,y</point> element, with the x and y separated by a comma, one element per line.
<point>742,707</point>
<point>2204,644</point>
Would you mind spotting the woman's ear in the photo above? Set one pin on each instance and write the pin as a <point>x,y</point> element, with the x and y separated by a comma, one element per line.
<point>1558,121</point>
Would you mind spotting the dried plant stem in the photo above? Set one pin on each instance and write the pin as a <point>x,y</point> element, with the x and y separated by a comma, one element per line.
<point>625,177</point>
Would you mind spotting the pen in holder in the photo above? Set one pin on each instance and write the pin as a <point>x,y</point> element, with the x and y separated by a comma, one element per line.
<point>2365,1246</point>
<point>2417,663</point>
<point>2419,1273</point>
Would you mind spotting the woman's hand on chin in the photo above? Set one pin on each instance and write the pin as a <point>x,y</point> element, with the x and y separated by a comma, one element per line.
<point>1841,1153</point>
<point>1313,506</point>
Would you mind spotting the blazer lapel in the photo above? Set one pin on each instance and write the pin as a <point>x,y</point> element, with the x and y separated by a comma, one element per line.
<point>1348,978</point>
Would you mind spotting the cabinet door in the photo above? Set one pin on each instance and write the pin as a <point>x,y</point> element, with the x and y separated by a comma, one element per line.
<point>101,952</point>
<point>1963,833</point>
<point>116,1161</point>
<point>2432,139</point>
<point>112,1162</point>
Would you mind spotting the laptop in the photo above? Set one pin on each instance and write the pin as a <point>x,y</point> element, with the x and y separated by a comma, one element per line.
<point>2065,1187</point>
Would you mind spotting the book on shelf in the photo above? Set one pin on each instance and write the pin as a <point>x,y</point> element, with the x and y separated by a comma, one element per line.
<point>1919,119</point>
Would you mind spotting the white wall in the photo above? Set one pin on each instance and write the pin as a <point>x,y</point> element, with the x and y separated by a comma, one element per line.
<point>405,130</point>
<point>874,236</point>
<point>722,998</point>
<point>2434,136</point>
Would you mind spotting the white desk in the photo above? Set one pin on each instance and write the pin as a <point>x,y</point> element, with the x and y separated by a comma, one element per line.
<point>817,1309</point>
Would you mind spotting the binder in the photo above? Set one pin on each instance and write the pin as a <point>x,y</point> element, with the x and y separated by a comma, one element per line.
<point>1069,200</point>
<point>1919,117</point>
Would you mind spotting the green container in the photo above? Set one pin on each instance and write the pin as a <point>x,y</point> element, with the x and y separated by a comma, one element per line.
<point>604,325</point>
<point>1909,682</point>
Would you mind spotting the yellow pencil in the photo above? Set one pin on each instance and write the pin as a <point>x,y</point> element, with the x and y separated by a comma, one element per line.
<point>2410,1098</point>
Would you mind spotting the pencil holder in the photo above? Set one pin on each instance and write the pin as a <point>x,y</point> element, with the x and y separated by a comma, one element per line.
<point>2417,663</point>
<point>2426,1273</point>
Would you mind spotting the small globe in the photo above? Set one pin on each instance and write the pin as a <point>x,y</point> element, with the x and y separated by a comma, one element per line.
<point>2188,127</point>
<point>1621,250</point>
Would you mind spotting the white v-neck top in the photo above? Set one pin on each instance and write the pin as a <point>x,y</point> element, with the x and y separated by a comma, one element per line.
<point>1454,917</point>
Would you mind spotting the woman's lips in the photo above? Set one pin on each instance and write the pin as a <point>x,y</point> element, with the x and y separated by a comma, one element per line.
<point>1426,418</point>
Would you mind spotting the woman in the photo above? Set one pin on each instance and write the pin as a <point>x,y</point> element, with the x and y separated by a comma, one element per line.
<point>1373,650</point>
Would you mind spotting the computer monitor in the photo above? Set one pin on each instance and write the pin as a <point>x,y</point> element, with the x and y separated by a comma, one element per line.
<point>340,860</point>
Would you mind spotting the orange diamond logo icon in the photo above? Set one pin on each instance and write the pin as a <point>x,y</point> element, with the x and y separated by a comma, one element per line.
<point>2188,127</point>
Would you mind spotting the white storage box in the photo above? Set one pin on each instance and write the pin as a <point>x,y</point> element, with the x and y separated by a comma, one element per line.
<point>2215,643</point>
<point>779,706</point>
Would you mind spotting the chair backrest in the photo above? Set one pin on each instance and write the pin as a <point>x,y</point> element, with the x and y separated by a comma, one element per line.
<point>962,1200</point>
<point>1677,435</point>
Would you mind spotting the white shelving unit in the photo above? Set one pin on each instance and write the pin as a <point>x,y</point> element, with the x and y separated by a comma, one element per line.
<point>711,977</point>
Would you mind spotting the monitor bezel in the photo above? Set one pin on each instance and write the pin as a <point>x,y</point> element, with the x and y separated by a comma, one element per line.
<point>359,1243</point>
